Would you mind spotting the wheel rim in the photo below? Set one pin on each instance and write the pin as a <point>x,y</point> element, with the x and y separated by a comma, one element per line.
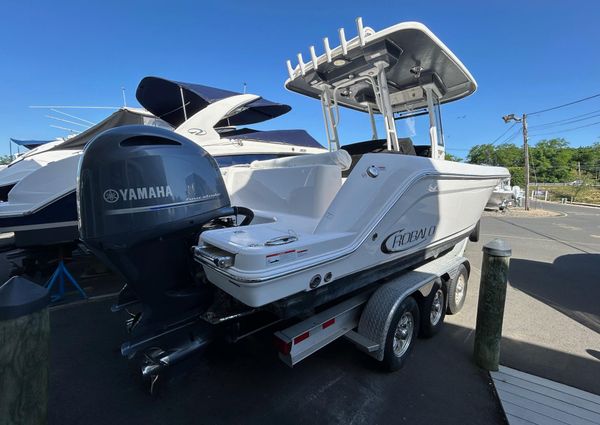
<point>404,333</point>
<point>437,306</point>
<point>459,293</point>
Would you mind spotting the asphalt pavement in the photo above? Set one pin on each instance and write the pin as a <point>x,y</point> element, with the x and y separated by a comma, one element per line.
<point>552,315</point>
<point>551,329</point>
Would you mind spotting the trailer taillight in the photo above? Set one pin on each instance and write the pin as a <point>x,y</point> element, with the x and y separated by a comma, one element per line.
<point>328,323</point>
<point>301,337</point>
<point>283,347</point>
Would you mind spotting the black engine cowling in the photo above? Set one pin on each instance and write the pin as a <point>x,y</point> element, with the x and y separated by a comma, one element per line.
<point>143,195</point>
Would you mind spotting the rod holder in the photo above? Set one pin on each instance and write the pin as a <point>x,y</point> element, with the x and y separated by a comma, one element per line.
<point>343,41</point>
<point>313,57</point>
<point>361,30</point>
<point>301,64</point>
<point>327,49</point>
<point>290,69</point>
<point>490,307</point>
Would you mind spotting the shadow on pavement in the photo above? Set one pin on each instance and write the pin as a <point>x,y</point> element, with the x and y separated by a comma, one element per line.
<point>91,383</point>
<point>571,285</point>
<point>566,368</point>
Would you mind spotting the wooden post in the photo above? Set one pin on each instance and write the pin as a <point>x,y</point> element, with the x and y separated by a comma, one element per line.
<point>24,352</point>
<point>490,308</point>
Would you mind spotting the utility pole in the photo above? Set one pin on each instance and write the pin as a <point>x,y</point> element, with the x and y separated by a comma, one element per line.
<point>526,149</point>
<point>523,121</point>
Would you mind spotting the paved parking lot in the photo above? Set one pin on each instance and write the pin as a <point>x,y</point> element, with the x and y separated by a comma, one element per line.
<point>552,317</point>
<point>551,329</point>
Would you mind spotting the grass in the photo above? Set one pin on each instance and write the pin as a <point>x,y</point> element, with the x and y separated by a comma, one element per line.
<point>585,194</point>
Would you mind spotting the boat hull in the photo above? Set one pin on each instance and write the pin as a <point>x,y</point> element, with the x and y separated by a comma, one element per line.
<point>413,206</point>
<point>54,223</point>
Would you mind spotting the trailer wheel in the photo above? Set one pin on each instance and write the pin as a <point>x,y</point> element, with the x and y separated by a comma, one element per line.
<point>433,311</point>
<point>401,334</point>
<point>457,290</point>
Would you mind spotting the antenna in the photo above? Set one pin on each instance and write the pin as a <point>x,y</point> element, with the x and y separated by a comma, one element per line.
<point>124,99</point>
<point>72,107</point>
<point>245,85</point>
<point>361,30</point>
<point>72,116</point>
<point>64,128</point>
<point>327,49</point>
<point>343,41</point>
<point>301,63</point>
<point>67,121</point>
<point>183,103</point>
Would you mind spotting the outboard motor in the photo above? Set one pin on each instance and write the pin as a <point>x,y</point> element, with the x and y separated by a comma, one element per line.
<point>144,194</point>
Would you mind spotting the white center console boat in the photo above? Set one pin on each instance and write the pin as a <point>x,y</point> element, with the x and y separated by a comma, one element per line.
<point>286,236</point>
<point>314,227</point>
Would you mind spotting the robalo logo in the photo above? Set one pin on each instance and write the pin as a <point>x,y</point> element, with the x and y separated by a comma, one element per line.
<point>111,196</point>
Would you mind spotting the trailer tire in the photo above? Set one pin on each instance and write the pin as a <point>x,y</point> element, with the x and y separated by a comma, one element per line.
<point>457,290</point>
<point>401,334</point>
<point>433,312</point>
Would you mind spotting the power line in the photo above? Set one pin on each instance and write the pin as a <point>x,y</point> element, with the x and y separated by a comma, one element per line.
<point>512,136</point>
<point>504,133</point>
<point>567,130</point>
<point>569,120</point>
<point>563,105</point>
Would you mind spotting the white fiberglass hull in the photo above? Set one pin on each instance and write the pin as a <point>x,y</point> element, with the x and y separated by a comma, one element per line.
<point>24,166</point>
<point>412,207</point>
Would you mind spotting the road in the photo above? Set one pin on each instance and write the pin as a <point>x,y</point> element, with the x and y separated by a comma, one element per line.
<point>552,316</point>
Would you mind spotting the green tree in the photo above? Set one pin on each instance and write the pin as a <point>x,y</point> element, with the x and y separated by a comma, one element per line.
<point>552,160</point>
<point>509,155</point>
<point>450,157</point>
<point>517,176</point>
<point>482,154</point>
<point>5,159</point>
<point>587,159</point>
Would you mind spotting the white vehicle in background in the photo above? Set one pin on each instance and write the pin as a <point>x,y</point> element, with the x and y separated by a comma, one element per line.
<point>502,196</point>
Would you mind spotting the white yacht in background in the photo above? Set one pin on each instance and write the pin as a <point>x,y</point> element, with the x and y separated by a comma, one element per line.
<point>502,196</point>
<point>23,164</point>
<point>40,205</point>
<point>39,202</point>
<point>62,148</point>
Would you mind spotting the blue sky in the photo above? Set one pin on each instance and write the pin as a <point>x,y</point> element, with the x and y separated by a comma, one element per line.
<point>525,56</point>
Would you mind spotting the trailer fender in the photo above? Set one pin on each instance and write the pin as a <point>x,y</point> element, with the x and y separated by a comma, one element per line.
<point>379,311</point>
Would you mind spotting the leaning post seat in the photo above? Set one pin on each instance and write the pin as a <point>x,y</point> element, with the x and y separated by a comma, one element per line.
<point>295,189</point>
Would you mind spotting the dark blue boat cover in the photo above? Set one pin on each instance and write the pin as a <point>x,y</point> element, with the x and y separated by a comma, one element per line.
<point>162,97</point>
<point>292,137</point>
<point>30,144</point>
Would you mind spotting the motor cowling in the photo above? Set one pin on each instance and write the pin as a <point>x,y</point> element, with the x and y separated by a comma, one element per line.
<point>143,195</point>
<point>138,181</point>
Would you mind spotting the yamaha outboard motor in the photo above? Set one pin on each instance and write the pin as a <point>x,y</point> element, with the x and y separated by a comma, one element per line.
<point>144,193</point>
